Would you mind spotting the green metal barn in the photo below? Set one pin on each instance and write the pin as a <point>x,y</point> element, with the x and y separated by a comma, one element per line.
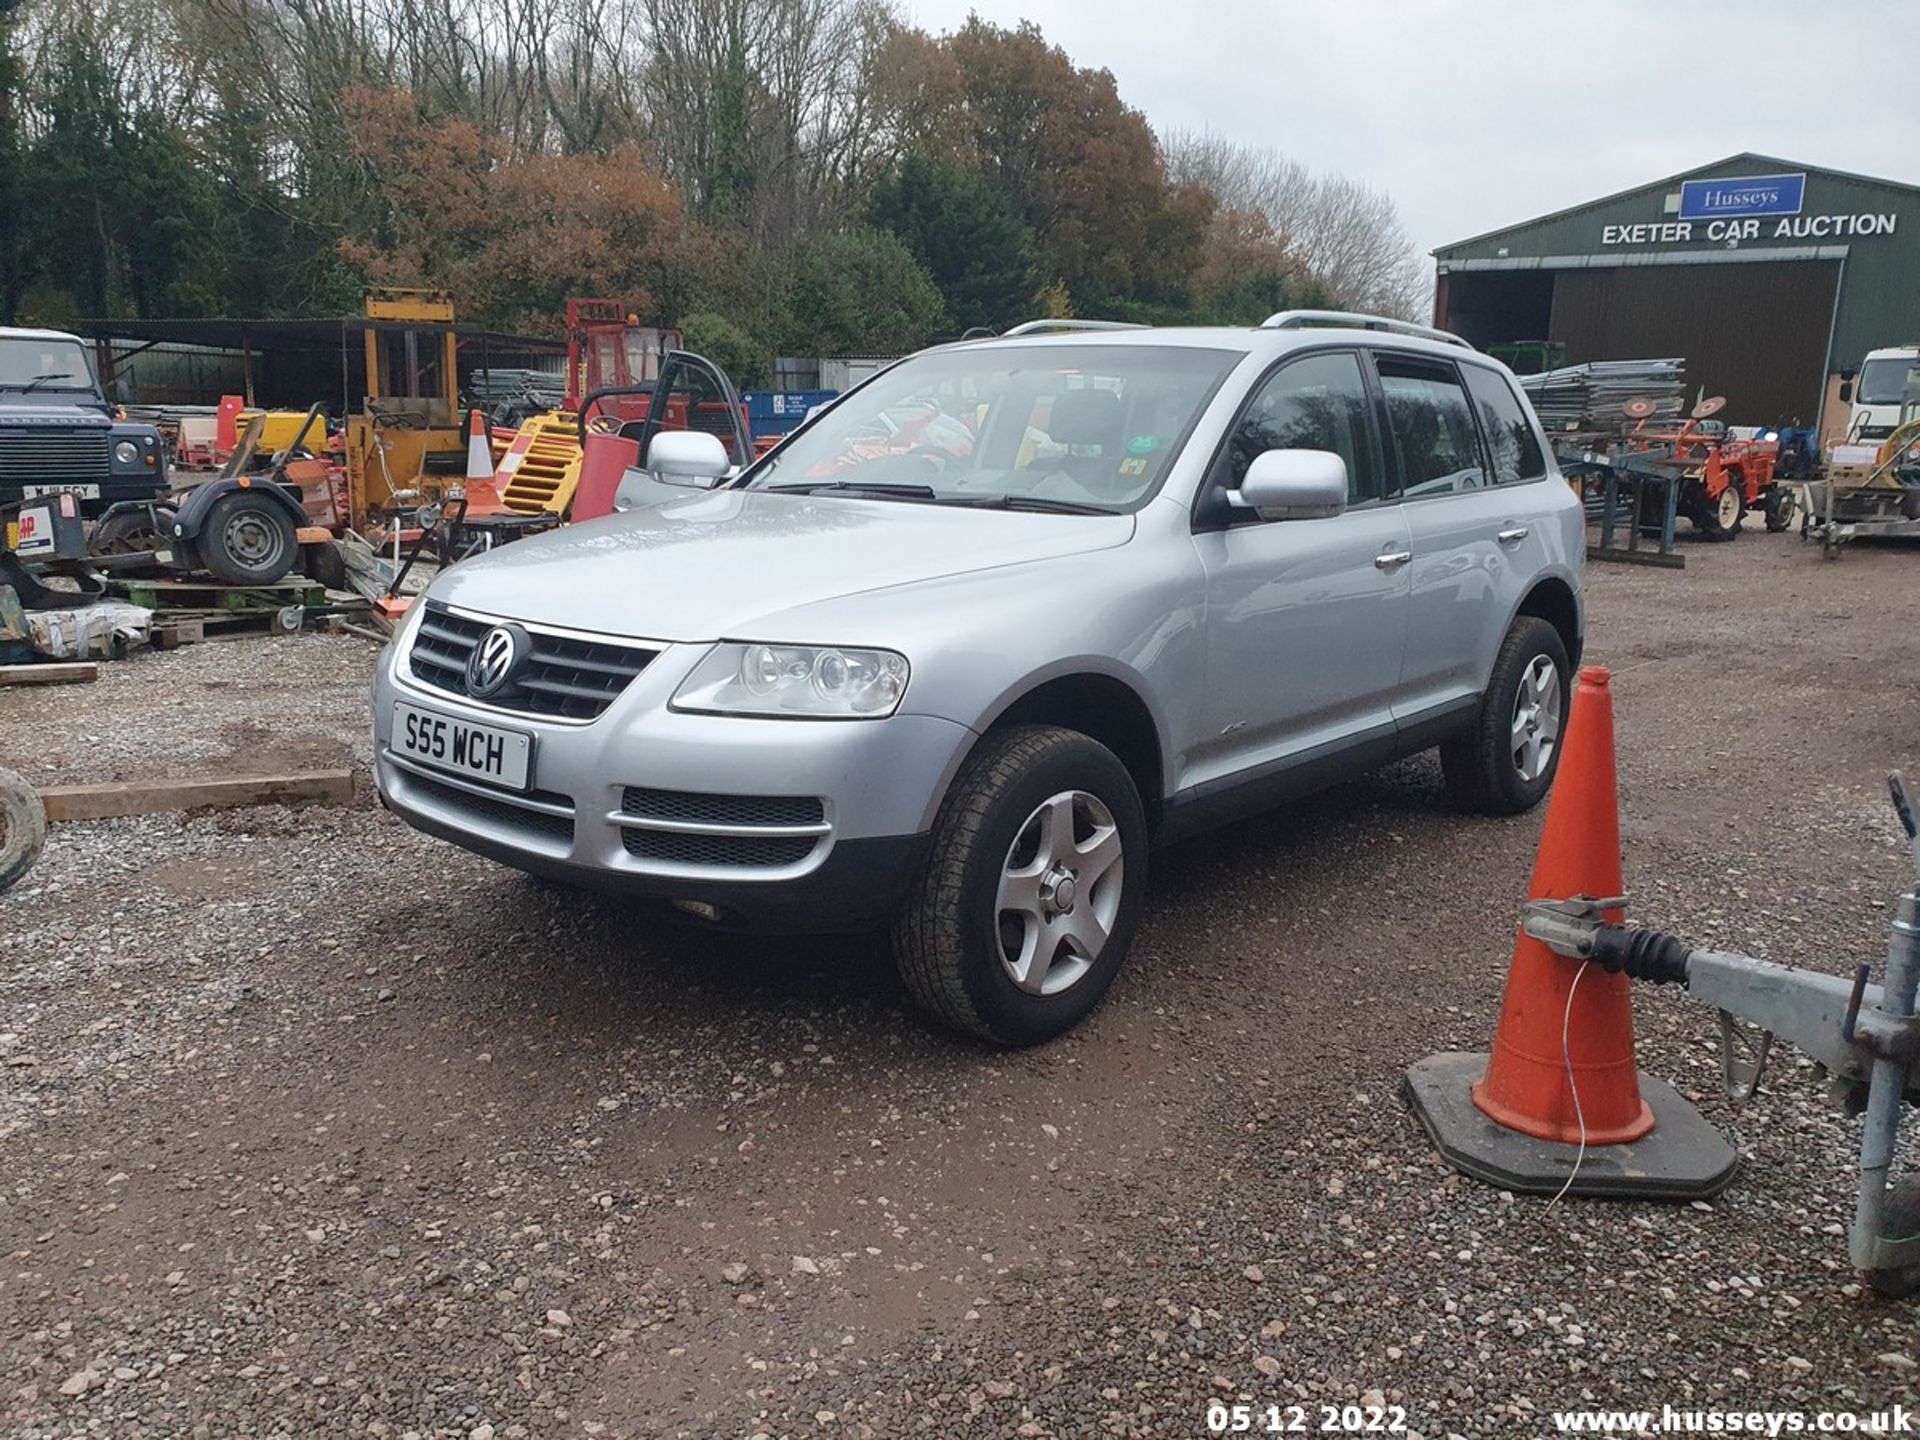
<point>1772,278</point>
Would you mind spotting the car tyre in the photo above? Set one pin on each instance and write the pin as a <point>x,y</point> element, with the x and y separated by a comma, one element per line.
<point>1497,766</point>
<point>1024,909</point>
<point>23,828</point>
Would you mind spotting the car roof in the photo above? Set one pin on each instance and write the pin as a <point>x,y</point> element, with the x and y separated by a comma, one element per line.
<point>1260,340</point>
<point>11,332</point>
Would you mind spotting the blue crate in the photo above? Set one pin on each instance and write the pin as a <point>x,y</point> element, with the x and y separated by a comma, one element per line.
<point>775,412</point>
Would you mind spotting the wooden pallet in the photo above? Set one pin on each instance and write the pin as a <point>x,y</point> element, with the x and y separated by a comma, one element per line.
<point>208,597</point>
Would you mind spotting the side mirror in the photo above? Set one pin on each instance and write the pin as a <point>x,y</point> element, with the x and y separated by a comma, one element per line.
<point>1846,392</point>
<point>1293,485</point>
<point>689,456</point>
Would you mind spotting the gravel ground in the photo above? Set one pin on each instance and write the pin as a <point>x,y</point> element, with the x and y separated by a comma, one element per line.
<point>312,1125</point>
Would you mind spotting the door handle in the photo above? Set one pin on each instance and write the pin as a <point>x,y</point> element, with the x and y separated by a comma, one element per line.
<point>1512,535</point>
<point>1392,559</point>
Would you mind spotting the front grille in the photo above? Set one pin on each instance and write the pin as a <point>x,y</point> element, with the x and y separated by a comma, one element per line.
<point>731,832</point>
<point>563,676</point>
<point>737,852</point>
<point>735,810</point>
<point>35,456</point>
<point>503,812</point>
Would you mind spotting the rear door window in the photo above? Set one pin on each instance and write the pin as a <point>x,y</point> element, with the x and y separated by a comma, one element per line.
<point>1430,427</point>
<point>1511,444</point>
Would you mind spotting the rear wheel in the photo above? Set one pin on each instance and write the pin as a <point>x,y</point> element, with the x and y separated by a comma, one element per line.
<point>1031,892</point>
<point>248,539</point>
<point>1718,517</point>
<point>1505,761</point>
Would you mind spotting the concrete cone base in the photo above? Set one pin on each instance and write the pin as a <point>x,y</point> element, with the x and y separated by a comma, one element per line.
<point>1683,1158</point>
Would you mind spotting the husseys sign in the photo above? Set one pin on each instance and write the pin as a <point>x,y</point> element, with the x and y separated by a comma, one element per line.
<point>1751,207</point>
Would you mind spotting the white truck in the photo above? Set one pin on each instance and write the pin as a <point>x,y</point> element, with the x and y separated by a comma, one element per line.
<point>1875,393</point>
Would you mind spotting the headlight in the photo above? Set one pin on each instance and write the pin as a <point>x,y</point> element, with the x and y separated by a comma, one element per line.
<point>1771,435</point>
<point>126,452</point>
<point>823,681</point>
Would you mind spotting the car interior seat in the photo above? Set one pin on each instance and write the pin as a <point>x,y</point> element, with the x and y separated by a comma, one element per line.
<point>1088,423</point>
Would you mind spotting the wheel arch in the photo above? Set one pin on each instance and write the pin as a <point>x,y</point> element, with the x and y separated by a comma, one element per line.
<point>1104,707</point>
<point>191,517</point>
<point>1553,600</point>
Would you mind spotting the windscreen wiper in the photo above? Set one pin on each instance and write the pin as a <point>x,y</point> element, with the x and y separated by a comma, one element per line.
<point>39,380</point>
<point>1042,503</point>
<point>857,487</point>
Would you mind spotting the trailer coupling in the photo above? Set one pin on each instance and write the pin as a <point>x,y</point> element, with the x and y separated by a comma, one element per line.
<point>1865,1036</point>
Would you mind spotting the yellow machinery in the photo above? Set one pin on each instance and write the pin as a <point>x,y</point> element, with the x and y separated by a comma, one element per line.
<point>278,429</point>
<point>407,443</point>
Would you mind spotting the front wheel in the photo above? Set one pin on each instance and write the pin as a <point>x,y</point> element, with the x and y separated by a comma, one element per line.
<point>1028,901</point>
<point>1781,505</point>
<point>1505,761</point>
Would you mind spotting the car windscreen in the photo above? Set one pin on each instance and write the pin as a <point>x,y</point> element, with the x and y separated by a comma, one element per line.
<point>1881,381</point>
<point>1047,427</point>
<point>37,363</point>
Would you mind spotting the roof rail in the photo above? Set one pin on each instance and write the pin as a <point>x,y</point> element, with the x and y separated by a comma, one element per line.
<point>1351,320</point>
<point>1056,327</point>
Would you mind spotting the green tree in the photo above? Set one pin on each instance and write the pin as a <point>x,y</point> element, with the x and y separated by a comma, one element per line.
<point>1078,166</point>
<point>728,346</point>
<point>12,258</point>
<point>122,205</point>
<point>961,231</point>
<point>861,293</point>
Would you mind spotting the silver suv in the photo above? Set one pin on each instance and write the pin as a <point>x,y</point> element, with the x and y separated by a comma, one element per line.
<point>959,653</point>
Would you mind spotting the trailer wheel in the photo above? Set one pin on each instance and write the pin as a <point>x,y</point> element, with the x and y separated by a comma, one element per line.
<point>1718,517</point>
<point>1901,1215</point>
<point>23,827</point>
<point>248,539</point>
<point>326,562</point>
<point>139,530</point>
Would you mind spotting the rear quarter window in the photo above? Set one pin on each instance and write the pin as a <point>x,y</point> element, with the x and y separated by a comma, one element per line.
<point>1511,442</point>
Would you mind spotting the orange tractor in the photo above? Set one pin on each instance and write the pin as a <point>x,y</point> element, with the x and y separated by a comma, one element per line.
<point>1721,478</point>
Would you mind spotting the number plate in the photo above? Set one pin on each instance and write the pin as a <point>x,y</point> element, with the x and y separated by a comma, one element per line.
<point>478,752</point>
<point>85,492</point>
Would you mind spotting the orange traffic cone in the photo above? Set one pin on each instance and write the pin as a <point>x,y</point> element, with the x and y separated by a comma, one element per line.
<point>1542,1051</point>
<point>1518,1119</point>
<point>483,495</point>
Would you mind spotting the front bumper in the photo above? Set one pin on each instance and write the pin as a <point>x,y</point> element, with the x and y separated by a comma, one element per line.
<point>96,495</point>
<point>637,801</point>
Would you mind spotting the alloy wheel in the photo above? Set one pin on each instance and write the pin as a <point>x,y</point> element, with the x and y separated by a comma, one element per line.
<point>1059,892</point>
<point>1536,718</point>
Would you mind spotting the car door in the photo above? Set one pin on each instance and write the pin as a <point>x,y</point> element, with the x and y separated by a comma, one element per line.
<point>1460,527</point>
<point>689,393</point>
<point>1306,619</point>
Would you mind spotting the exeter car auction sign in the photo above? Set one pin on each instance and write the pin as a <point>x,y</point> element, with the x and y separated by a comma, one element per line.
<point>1729,210</point>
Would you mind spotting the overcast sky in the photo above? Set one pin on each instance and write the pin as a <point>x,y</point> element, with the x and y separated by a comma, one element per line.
<point>1474,114</point>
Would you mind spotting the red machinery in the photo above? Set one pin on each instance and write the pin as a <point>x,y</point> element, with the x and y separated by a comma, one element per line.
<point>1723,477</point>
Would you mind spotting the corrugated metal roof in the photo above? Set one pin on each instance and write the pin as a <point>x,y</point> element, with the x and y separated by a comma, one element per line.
<point>1744,157</point>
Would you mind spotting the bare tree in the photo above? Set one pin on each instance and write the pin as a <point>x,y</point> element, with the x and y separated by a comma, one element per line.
<point>1346,233</point>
